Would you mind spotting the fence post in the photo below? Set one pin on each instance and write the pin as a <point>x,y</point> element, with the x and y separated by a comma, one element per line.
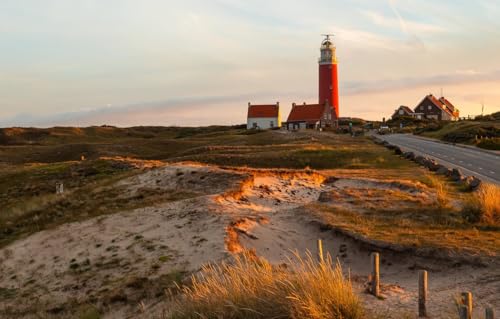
<point>320,251</point>
<point>463,312</point>
<point>467,301</point>
<point>375,274</point>
<point>422,293</point>
<point>489,313</point>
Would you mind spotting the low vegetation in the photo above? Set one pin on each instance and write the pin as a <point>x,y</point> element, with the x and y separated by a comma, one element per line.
<point>454,222</point>
<point>29,203</point>
<point>483,206</point>
<point>395,211</point>
<point>426,227</point>
<point>33,160</point>
<point>230,146</point>
<point>252,288</point>
<point>484,134</point>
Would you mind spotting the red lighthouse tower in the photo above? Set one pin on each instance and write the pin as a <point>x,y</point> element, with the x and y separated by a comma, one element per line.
<point>328,78</point>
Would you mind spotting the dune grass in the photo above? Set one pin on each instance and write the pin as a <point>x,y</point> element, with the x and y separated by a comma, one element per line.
<point>483,205</point>
<point>252,288</point>
<point>432,227</point>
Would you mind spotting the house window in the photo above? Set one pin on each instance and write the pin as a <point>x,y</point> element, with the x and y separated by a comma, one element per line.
<point>401,112</point>
<point>422,107</point>
<point>271,124</point>
<point>429,107</point>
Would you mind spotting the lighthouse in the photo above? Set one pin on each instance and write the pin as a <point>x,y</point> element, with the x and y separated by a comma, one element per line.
<point>328,78</point>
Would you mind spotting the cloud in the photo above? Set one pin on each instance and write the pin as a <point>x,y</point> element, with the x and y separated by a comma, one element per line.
<point>180,111</point>
<point>413,39</point>
<point>398,22</point>
<point>459,77</point>
<point>368,40</point>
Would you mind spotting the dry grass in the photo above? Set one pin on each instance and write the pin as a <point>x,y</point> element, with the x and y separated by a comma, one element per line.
<point>484,205</point>
<point>439,187</point>
<point>253,288</point>
<point>422,227</point>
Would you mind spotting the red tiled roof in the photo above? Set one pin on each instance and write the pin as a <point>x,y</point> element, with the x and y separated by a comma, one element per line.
<point>308,112</point>
<point>270,110</point>
<point>452,109</point>
<point>439,104</point>
<point>407,109</point>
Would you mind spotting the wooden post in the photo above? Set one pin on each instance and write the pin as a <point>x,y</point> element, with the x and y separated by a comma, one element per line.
<point>320,251</point>
<point>463,312</point>
<point>489,313</point>
<point>467,301</point>
<point>422,293</point>
<point>375,274</point>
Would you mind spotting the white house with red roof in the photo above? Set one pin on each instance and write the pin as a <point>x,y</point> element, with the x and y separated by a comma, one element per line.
<point>310,116</point>
<point>264,116</point>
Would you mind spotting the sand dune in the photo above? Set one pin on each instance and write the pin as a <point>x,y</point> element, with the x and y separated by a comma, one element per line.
<point>232,211</point>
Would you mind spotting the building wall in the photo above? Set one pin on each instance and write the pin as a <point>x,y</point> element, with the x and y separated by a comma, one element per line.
<point>328,86</point>
<point>431,111</point>
<point>263,123</point>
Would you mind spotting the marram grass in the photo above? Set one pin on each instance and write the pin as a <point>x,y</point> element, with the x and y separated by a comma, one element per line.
<point>252,288</point>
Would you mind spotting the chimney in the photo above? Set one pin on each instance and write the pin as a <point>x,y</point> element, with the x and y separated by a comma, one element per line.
<point>248,104</point>
<point>294,105</point>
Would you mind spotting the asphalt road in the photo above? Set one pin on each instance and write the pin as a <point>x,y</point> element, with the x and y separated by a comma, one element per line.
<point>470,161</point>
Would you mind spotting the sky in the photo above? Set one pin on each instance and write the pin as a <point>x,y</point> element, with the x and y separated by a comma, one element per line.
<point>199,62</point>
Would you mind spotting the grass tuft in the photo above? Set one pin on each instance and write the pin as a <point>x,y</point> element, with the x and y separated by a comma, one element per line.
<point>439,186</point>
<point>252,288</point>
<point>483,205</point>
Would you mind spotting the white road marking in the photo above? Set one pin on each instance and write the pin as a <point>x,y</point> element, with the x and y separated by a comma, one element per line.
<point>491,172</point>
<point>480,168</point>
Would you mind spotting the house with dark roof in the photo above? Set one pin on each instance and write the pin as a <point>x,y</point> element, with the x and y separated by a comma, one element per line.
<point>312,116</point>
<point>403,110</point>
<point>264,116</point>
<point>437,109</point>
